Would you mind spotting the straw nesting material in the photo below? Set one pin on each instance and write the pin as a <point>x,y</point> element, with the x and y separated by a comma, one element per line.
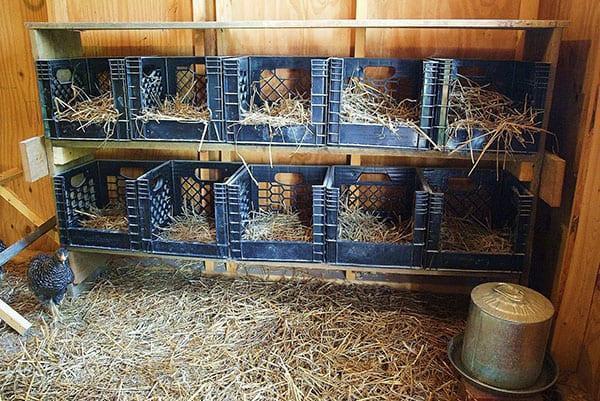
<point>86,110</point>
<point>477,107</point>
<point>190,226</point>
<point>365,104</point>
<point>285,111</point>
<point>469,234</point>
<point>180,107</point>
<point>358,224</point>
<point>112,217</point>
<point>267,225</point>
<point>154,332</point>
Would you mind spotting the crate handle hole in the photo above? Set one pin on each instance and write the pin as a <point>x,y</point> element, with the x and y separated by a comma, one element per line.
<point>374,177</point>
<point>131,172</point>
<point>78,180</point>
<point>379,72</point>
<point>213,174</point>
<point>289,178</point>
<point>461,184</point>
<point>64,75</point>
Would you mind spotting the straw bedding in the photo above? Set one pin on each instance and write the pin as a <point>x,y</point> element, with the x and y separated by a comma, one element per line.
<point>468,234</point>
<point>356,224</point>
<point>479,107</point>
<point>85,111</point>
<point>155,332</point>
<point>111,217</point>
<point>265,225</point>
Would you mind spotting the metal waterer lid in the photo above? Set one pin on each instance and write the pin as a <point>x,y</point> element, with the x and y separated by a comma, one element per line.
<point>512,302</point>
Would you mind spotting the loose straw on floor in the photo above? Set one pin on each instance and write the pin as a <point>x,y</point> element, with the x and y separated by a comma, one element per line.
<point>86,110</point>
<point>155,332</point>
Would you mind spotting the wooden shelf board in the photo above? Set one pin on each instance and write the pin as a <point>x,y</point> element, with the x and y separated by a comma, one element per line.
<point>509,24</point>
<point>324,150</point>
<point>491,274</point>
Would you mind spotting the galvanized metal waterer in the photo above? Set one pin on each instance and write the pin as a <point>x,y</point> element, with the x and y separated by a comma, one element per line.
<point>506,335</point>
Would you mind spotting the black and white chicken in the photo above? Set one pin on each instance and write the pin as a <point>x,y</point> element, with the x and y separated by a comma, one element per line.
<point>2,248</point>
<point>49,277</point>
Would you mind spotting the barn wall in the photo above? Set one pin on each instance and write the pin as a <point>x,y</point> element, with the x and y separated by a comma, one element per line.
<point>573,114</point>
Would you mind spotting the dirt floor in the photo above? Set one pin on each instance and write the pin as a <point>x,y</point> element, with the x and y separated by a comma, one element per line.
<point>152,331</point>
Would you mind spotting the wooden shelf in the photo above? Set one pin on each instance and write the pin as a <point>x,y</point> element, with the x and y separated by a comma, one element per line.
<point>337,150</point>
<point>538,40</point>
<point>407,270</point>
<point>515,24</point>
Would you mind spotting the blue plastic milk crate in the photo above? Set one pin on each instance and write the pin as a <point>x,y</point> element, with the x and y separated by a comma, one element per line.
<point>184,188</point>
<point>493,200</point>
<point>524,83</point>
<point>81,191</point>
<point>401,80</point>
<point>193,81</point>
<point>64,82</point>
<point>393,194</point>
<point>277,189</point>
<point>253,81</point>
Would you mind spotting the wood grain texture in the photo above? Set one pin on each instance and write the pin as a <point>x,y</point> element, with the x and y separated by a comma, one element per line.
<point>325,42</point>
<point>553,175</point>
<point>20,117</point>
<point>574,266</point>
<point>441,42</point>
<point>120,43</point>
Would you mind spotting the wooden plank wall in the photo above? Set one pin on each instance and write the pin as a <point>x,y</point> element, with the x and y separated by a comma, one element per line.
<point>20,116</point>
<point>572,271</point>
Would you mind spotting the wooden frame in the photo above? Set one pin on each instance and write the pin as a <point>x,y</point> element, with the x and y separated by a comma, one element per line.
<point>540,41</point>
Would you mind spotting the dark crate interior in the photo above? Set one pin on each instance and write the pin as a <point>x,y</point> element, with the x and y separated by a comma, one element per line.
<point>401,80</point>
<point>251,82</point>
<point>94,186</point>
<point>524,83</point>
<point>194,81</point>
<point>179,188</point>
<point>75,80</point>
<point>395,195</point>
<point>280,189</point>
<point>493,199</point>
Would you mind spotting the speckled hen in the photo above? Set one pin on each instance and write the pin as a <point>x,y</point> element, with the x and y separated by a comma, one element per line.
<point>49,277</point>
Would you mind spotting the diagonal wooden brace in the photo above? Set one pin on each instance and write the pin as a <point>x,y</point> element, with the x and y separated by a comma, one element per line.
<point>13,199</point>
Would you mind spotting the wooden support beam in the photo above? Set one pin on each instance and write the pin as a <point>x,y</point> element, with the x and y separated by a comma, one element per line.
<point>33,158</point>
<point>10,175</point>
<point>553,176</point>
<point>523,171</point>
<point>13,318</point>
<point>63,156</point>
<point>360,34</point>
<point>29,239</point>
<point>11,197</point>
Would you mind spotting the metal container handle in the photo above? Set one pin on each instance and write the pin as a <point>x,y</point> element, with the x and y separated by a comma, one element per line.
<point>511,292</point>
